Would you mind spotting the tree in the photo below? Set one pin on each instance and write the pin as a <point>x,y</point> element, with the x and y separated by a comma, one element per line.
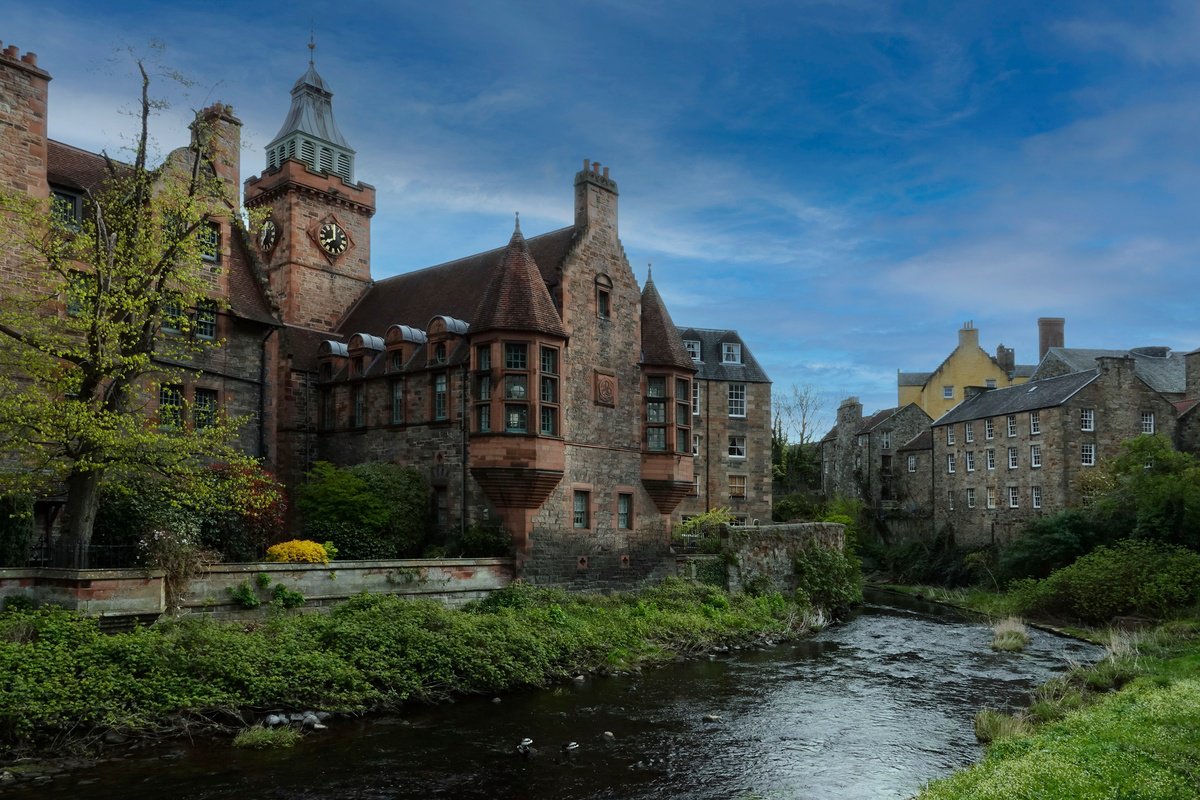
<point>96,321</point>
<point>795,456</point>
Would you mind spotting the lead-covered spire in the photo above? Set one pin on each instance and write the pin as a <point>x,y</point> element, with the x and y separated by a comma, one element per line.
<point>309,133</point>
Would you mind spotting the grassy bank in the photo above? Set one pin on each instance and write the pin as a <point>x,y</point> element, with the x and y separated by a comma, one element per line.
<point>61,680</point>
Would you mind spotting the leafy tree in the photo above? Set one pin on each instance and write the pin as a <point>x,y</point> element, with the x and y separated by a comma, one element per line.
<point>82,342</point>
<point>368,510</point>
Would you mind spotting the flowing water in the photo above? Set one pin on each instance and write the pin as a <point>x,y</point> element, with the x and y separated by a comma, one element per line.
<point>873,708</point>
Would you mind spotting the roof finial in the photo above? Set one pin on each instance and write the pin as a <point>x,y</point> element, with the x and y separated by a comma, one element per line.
<point>312,43</point>
<point>649,271</point>
<point>518,228</point>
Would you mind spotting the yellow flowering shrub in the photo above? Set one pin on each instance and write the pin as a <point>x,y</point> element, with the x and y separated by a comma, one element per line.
<point>298,551</point>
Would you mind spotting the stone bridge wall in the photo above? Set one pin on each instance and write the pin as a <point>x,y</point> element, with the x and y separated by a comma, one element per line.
<point>770,551</point>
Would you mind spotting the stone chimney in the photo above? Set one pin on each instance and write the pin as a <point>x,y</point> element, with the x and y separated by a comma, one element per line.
<point>1050,334</point>
<point>1191,371</point>
<point>849,413</point>
<point>222,133</point>
<point>596,200</point>
<point>23,106</point>
<point>1119,368</point>
<point>968,336</point>
<point>1006,357</point>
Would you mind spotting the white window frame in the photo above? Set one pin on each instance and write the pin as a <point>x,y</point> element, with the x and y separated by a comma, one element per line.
<point>947,392</point>
<point>990,458</point>
<point>912,463</point>
<point>731,353</point>
<point>737,447</point>
<point>950,463</point>
<point>1012,458</point>
<point>885,441</point>
<point>745,485</point>
<point>990,383</point>
<point>1087,419</point>
<point>1087,454</point>
<point>989,429</point>
<point>1012,425</point>
<point>949,434</point>
<point>970,461</point>
<point>695,398</point>
<point>1035,456</point>
<point>1035,423</point>
<point>970,497</point>
<point>969,432</point>
<point>737,400</point>
<point>695,444</point>
<point>1014,497</point>
<point>1148,422</point>
<point>1035,496</point>
<point>693,348</point>
<point>991,497</point>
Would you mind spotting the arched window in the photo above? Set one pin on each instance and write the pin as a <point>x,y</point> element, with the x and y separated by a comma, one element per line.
<point>603,296</point>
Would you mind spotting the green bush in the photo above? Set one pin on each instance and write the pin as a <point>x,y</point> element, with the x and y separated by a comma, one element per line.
<point>486,540</point>
<point>368,511</point>
<point>1050,543</point>
<point>16,529</point>
<point>830,579</point>
<point>938,562</point>
<point>260,738</point>
<point>1132,577</point>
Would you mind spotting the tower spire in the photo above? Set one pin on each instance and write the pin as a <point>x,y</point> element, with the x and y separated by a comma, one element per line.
<point>312,46</point>
<point>310,134</point>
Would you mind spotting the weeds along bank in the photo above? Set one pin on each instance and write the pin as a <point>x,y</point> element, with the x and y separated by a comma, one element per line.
<point>61,679</point>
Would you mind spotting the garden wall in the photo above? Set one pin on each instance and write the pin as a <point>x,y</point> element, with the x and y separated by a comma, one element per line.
<point>140,593</point>
<point>770,550</point>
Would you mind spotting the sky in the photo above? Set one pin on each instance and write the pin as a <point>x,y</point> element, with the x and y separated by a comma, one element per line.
<point>845,183</point>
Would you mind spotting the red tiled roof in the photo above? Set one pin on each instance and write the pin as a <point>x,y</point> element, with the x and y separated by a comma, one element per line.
<point>516,298</point>
<point>662,346</point>
<point>453,289</point>
<point>1184,406</point>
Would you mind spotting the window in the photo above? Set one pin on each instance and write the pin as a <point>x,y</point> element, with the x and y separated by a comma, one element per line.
<point>970,461</point>
<point>439,353</point>
<point>397,393</point>
<point>548,421</point>
<point>970,498</point>
<point>731,353</point>
<point>1147,422</point>
<point>656,412</point>
<point>990,383</point>
<point>328,410</point>
<point>695,444</point>
<point>1035,496</point>
<point>696,398</point>
<point>483,417</point>
<point>625,512</point>
<point>862,440</point>
<point>170,406</point>
<point>204,409</point>
<point>989,429</point>
<point>1012,424</point>
<point>516,355</point>
<point>603,297</point>
<point>206,320</point>
<point>439,396</point>
<point>1087,454</point>
<point>395,360</point>
<point>683,416</point>
<point>1035,423</point>
<point>1087,419</point>
<point>581,518</point>
<point>990,457</point>
<point>693,348</point>
<point>656,439</point>
<point>969,431</point>
<point>1035,455</point>
<point>516,387</point>
<point>548,394</point>
<point>947,392</point>
<point>174,318</point>
<point>737,399</point>
<point>360,405</point>
<point>950,462</point>
<point>483,357</point>
<point>67,207</point>
<point>1013,497</point>
<point>737,485</point>
<point>516,418</point>
<point>991,497</point>
<point>696,484</point>
<point>885,441</point>
<point>1012,458</point>
<point>737,446</point>
<point>950,434</point>
<point>209,237</point>
<point>912,463</point>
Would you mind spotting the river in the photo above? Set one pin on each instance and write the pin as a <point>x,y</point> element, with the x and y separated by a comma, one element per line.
<point>873,708</point>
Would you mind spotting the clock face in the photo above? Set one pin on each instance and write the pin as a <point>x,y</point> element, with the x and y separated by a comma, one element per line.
<point>267,235</point>
<point>332,238</point>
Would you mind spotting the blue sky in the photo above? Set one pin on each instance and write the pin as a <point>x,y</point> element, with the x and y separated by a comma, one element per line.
<point>845,182</point>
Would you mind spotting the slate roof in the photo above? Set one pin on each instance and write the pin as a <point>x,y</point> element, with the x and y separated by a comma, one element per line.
<point>452,288</point>
<point>1024,370</point>
<point>913,378</point>
<point>922,441</point>
<point>311,111</point>
<point>516,298</point>
<point>710,368</point>
<point>1161,369</point>
<point>875,420</point>
<point>662,346</point>
<point>1045,393</point>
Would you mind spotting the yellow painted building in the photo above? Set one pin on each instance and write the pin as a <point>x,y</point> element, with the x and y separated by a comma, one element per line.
<point>967,365</point>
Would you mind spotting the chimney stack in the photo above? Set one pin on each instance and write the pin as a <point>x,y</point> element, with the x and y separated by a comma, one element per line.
<point>1050,334</point>
<point>968,336</point>
<point>1006,357</point>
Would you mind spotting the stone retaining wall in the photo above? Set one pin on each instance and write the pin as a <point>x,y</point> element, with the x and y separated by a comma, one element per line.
<point>770,551</point>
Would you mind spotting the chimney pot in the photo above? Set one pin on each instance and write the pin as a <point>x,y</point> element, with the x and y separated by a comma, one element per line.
<point>30,59</point>
<point>11,51</point>
<point>606,172</point>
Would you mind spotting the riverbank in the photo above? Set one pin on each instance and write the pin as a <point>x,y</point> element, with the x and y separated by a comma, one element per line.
<point>1127,726</point>
<point>63,684</point>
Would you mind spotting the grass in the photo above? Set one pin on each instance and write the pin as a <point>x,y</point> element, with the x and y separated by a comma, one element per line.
<point>991,726</point>
<point>260,738</point>
<point>1010,635</point>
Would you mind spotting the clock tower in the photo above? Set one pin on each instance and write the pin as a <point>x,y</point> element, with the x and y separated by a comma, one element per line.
<point>316,240</point>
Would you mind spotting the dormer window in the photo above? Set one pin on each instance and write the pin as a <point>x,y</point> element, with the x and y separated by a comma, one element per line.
<point>603,297</point>
<point>396,361</point>
<point>439,353</point>
<point>693,348</point>
<point>731,353</point>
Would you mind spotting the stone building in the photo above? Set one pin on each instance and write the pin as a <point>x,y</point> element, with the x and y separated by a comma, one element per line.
<point>1005,456</point>
<point>968,364</point>
<point>860,455</point>
<point>731,427</point>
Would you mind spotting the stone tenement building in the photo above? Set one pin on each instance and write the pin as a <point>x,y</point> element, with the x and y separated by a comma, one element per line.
<point>535,385</point>
<point>731,427</point>
<point>967,365</point>
<point>1005,456</point>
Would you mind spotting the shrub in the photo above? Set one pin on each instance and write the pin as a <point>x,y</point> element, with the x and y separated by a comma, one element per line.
<point>368,510</point>
<point>1132,577</point>
<point>991,726</point>
<point>285,597</point>
<point>1009,635</point>
<point>1050,543</point>
<point>829,578</point>
<point>702,533</point>
<point>485,540</point>
<point>298,551</point>
<point>244,595</point>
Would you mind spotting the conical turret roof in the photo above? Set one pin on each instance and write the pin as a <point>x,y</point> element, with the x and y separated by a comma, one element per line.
<point>517,298</point>
<point>662,346</point>
<point>312,111</point>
